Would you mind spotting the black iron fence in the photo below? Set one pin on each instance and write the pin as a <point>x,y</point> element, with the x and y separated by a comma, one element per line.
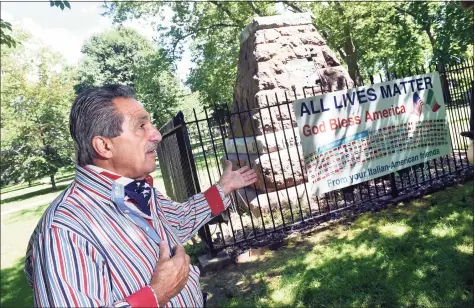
<point>195,151</point>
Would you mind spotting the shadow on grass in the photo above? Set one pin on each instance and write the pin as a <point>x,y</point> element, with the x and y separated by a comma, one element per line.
<point>25,214</point>
<point>6,190</point>
<point>419,255</point>
<point>15,289</point>
<point>36,193</point>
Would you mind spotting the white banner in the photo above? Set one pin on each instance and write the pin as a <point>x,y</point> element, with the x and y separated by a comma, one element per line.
<point>355,135</point>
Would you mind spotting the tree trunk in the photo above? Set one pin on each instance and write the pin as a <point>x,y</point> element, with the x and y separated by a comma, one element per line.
<point>53,183</point>
<point>29,183</point>
<point>431,38</point>
<point>349,48</point>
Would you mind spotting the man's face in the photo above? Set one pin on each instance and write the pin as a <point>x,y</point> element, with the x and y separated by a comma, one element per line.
<point>134,150</point>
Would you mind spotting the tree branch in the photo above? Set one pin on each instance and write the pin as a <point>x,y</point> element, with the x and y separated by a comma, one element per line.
<point>293,6</point>
<point>228,12</point>
<point>424,26</point>
<point>197,30</point>
<point>254,8</point>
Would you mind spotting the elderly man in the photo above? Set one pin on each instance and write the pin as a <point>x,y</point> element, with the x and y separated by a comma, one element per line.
<point>111,239</point>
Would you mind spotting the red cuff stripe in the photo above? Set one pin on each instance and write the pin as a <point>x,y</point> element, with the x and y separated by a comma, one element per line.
<point>142,298</point>
<point>214,200</point>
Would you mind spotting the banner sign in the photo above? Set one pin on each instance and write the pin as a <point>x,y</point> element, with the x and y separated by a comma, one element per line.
<point>355,135</point>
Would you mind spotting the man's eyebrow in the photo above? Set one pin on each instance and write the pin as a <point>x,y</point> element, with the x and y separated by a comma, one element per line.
<point>139,118</point>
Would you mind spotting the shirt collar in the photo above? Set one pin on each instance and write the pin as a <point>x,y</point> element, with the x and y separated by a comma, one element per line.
<point>118,178</point>
<point>101,181</point>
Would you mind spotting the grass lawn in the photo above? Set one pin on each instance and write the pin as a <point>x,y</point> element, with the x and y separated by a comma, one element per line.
<point>16,231</point>
<point>418,254</point>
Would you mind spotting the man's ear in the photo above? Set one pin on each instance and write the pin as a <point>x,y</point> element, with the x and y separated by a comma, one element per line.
<point>103,146</point>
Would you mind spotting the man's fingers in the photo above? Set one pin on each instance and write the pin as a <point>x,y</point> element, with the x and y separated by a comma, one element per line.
<point>228,165</point>
<point>179,250</point>
<point>164,250</point>
<point>243,169</point>
<point>249,172</point>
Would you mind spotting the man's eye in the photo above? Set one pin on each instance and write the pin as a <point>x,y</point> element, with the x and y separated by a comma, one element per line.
<point>142,125</point>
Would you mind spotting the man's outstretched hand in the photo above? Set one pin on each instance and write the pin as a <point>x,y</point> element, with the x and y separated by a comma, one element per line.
<point>233,180</point>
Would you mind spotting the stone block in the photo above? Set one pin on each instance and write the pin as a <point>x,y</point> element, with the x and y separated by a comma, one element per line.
<point>271,22</point>
<point>286,198</point>
<point>329,56</point>
<point>280,169</point>
<point>207,263</point>
<point>270,35</point>
<point>244,197</point>
<point>266,120</point>
<point>335,78</point>
<point>302,72</point>
<point>264,52</point>
<point>265,80</point>
<point>295,30</point>
<point>267,143</point>
<point>311,38</point>
<point>301,52</point>
<point>241,159</point>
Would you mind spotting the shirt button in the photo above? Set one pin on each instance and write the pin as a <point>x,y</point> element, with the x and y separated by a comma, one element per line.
<point>126,211</point>
<point>147,228</point>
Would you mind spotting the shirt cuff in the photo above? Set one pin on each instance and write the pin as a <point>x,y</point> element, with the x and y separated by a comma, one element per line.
<point>142,298</point>
<point>216,199</point>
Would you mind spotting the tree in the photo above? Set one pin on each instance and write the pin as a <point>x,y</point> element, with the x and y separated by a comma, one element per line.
<point>36,93</point>
<point>213,29</point>
<point>447,25</point>
<point>368,36</point>
<point>123,56</point>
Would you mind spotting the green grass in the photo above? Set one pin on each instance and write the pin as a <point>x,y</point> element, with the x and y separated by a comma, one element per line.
<point>45,181</point>
<point>35,193</point>
<point>16,231</point>
<point>418,254</point>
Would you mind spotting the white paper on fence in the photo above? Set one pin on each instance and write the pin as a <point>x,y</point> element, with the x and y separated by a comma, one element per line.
<point>273,141</point>
<point>355,135</point>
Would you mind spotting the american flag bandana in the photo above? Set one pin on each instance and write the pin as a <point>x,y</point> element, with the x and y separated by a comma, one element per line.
<point>139,192</point>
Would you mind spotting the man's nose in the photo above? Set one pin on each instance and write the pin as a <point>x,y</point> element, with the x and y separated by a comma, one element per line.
<point>156,136</point>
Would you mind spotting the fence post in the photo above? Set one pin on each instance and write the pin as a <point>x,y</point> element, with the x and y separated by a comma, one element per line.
<point>189,167</point>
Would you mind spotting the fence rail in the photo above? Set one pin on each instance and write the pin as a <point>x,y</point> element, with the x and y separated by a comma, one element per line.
<point>210,139</point>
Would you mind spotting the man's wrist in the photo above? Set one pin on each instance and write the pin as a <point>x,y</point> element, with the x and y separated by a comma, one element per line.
<point>222,188</point>
<point>154,294</point>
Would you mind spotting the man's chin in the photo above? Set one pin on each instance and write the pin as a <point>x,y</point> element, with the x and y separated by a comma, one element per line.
<point>152,168</point>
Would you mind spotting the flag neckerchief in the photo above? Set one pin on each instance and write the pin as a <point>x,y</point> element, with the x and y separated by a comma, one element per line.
<point>139,191</point>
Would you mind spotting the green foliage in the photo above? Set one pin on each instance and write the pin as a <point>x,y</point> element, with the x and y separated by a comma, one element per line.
<point>447,25</point>
<point>60,4</point>
<point>379,37</point>
<point>36,93</point>
<point>368,36</point>
<point>112,57</point>
<point>212,28</point>
<point>5,37</point>
<point>125,57</point>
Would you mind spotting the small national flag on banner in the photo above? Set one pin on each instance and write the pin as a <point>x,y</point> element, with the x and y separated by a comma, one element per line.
<point>417,104</point>
<point>431,101</point>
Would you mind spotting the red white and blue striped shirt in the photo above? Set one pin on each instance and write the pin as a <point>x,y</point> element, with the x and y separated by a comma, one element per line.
<point>89,249</point>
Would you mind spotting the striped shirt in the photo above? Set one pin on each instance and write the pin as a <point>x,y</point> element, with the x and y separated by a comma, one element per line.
<point>89,248</point>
